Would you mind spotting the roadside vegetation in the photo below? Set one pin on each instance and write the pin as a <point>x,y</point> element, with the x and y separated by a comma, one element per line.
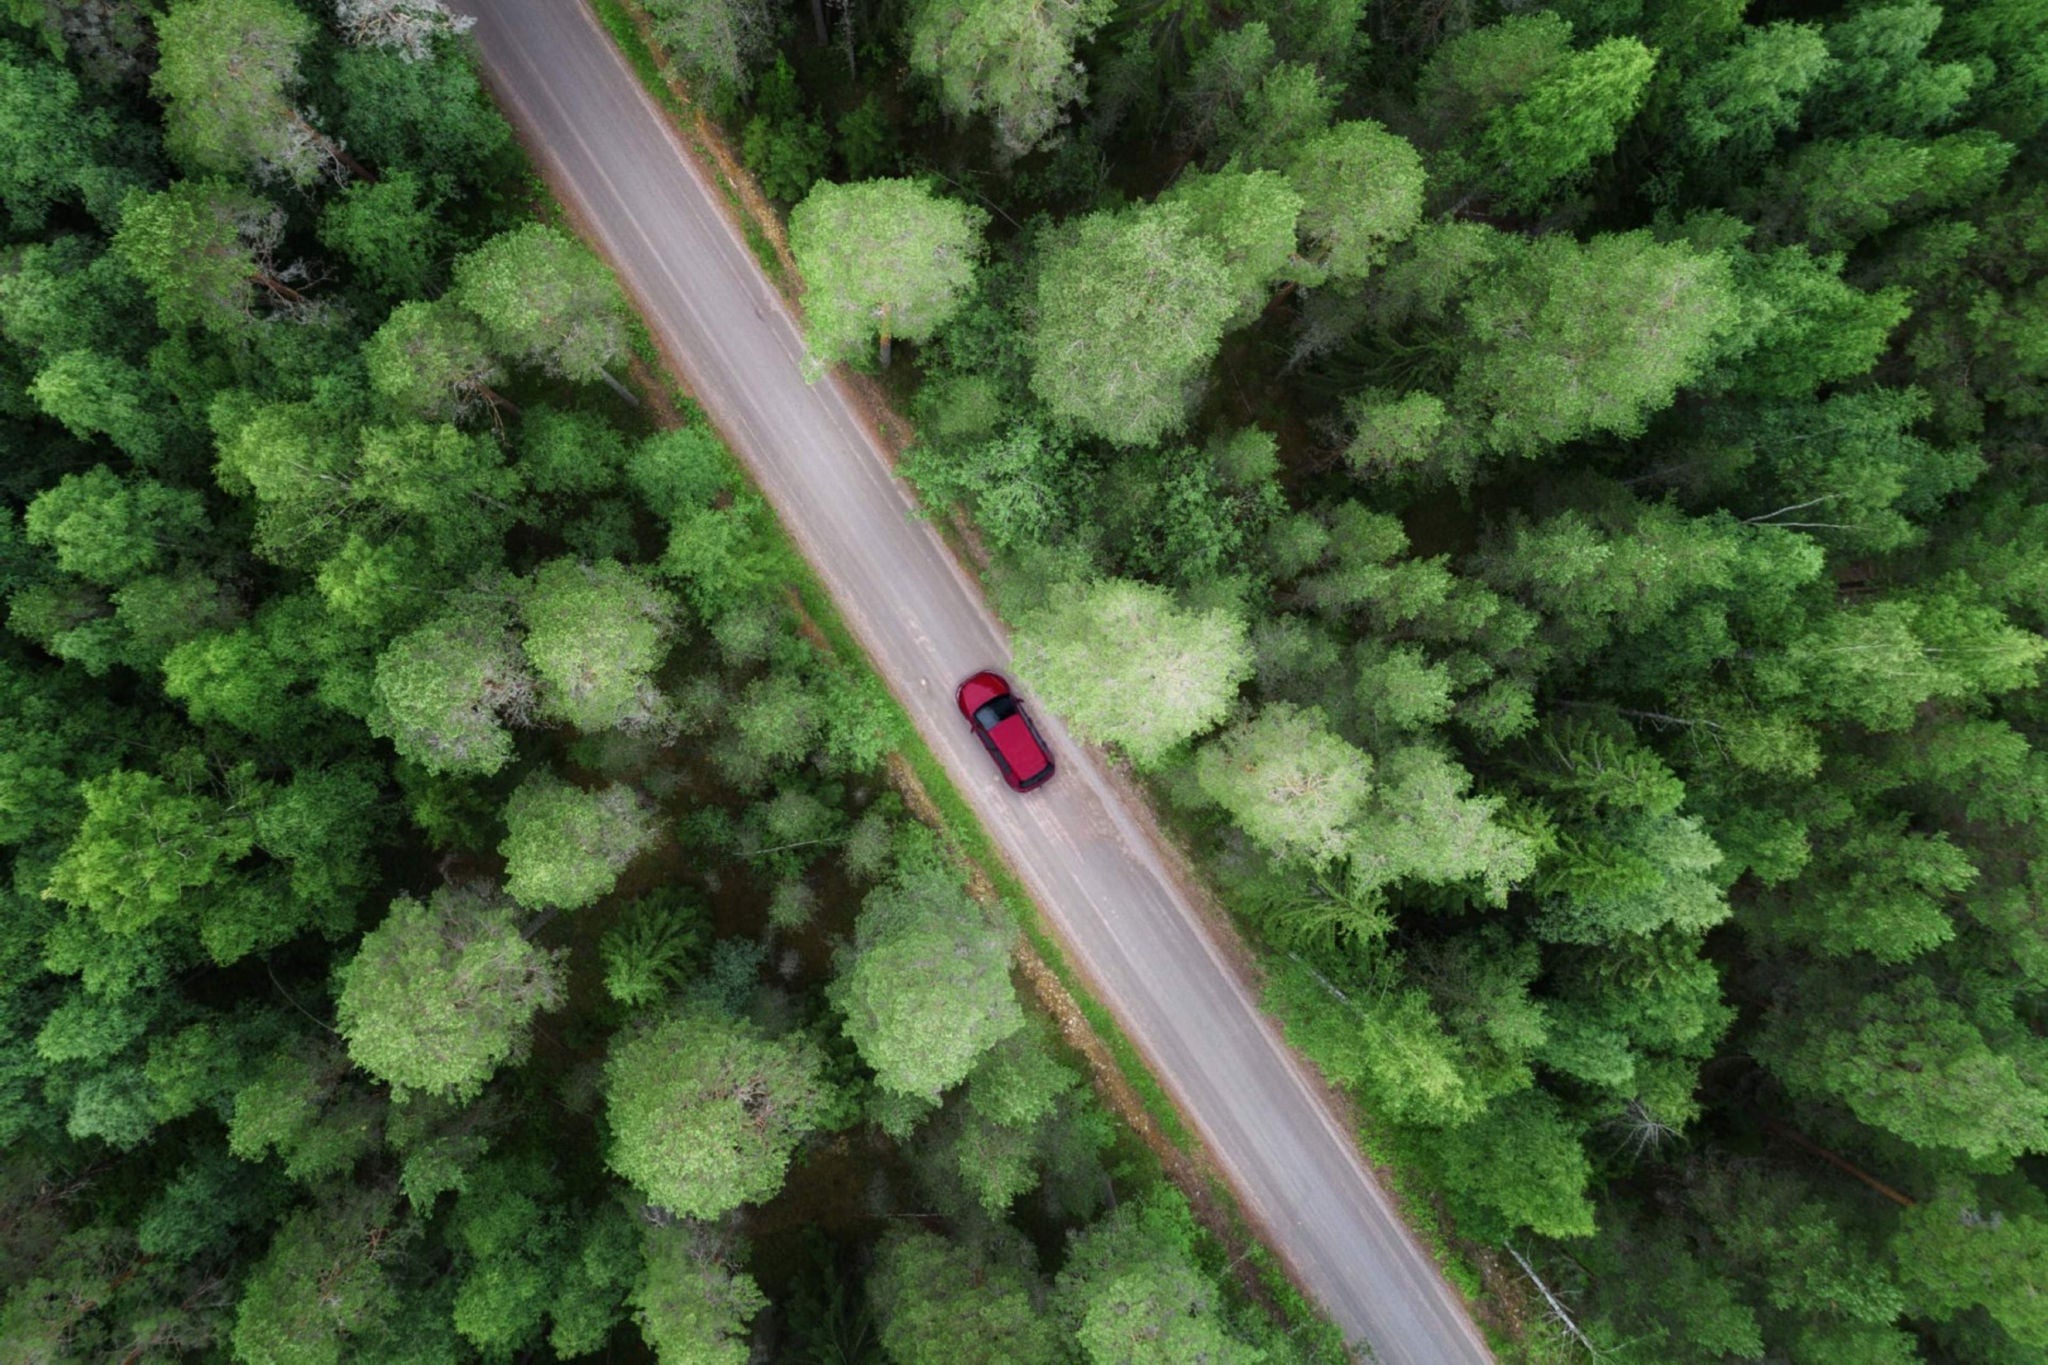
<point>455,905</point>
<point>1549,498</point>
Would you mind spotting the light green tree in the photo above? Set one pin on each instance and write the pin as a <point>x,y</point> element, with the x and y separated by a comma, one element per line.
<point>440,995</point>
<point>1361,192</point>
<point>1572,339</point>
<point>1131,309</point>
<point>1423,825</point>
<point>705,1111</point>
<point>565,846</point>
<point>1249,218</point>
<point>1014,63</point>
<point>881,259</point>
<point>544,299</point>
<point>444,693</point>
<point>595,633</point>
<point>431,360</point>
<point>1288,780</point>
<point>226,72</point>
<point>925,984</point>
<point>1128,666</point>
<point>692,1307</point>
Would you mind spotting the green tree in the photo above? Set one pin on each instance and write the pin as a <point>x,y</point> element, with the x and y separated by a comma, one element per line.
<point>1520,1165</point>
<point>544,299</point>
<point>55,141</point>
<point>1128,666</point>
<point>1738,104</point>
<point>882,259</point>
<point>100,395</point>
<point>565,846</point>
<point>1572,339</point>
<point>110,530</point>
<point>705,1111</point>
<point>1908,1061</point>
<point>692,1307</point>
<point>595,634</point>
<point>1287,780</point>
<point>444,693</point>
<point>1804,326</point>
<point>1961,1250</point>
<point>321,1286</point>
<point>980,1304</point>
<point>1132,1294</point>
<point>718,41</point>
<point>431,360</point>
<point>146,850</point>
<point>391,232</point>
<point>1014,63</point>
<point>925,984</point>
<point>1879,80</point>
<point>1423,825</point>
<point>508,1243</point>
<point>202,249</point>
<point>225,73</point>
<point>1361,192</point>
<point>439,996</point>
<point>1131,309</point>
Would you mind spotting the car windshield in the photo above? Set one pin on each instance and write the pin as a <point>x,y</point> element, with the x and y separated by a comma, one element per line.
<point>995,713</point>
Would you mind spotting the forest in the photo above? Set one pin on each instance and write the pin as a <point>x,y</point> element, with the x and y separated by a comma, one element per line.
<point>456,906</point>
<point>1547,498</point>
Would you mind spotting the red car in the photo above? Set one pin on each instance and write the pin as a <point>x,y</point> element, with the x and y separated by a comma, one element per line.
<point>1005,731</point>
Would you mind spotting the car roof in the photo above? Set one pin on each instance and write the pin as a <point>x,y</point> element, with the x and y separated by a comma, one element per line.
<point>1018,746</point>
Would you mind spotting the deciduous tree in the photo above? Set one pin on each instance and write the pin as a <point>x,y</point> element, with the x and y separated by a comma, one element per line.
<point>1573,339</point>
<point>1127,666</point>
<point>1131,309</point>
<point>595,633</point>
<point>445,692</point>
<point>1014,63</point>
<point>979,1304</point>
<point>718,41</point>
<point>440,995</point>
<point>565,846</point>
<point>881,259</point>
<point>925,984</point>
<point>1361,192</point>
<point>1287,780</point>
<point>692,1306</point>
<point>545,300</point>
<point>226,73</point>
<point>705,1110</point>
